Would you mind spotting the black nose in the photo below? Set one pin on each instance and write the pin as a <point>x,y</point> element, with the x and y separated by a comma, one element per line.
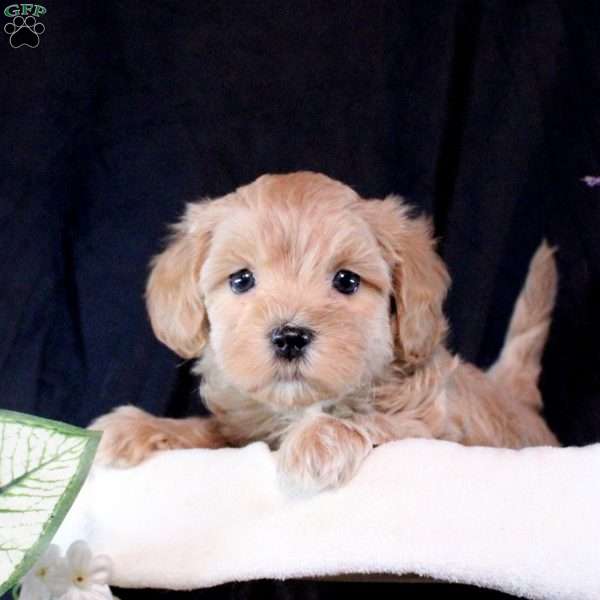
<point>290,342</point>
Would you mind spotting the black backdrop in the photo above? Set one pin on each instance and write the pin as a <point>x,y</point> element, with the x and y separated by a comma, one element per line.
<point>485,114</point>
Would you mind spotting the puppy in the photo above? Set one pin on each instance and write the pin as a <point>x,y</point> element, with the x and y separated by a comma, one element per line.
<point>314,318</point>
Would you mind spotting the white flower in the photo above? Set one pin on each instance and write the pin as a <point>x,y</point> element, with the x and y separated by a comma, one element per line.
<point>81,576</point>
<point>34,586</point>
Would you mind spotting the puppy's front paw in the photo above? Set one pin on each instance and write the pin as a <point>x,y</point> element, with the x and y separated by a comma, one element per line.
<point>322,453</point>
<point>130,435</point>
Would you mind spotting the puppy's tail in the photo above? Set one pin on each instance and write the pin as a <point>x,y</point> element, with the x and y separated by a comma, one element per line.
<point>519,364</point>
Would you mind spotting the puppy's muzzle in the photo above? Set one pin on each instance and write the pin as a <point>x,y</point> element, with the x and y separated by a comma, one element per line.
<point>290,343</point>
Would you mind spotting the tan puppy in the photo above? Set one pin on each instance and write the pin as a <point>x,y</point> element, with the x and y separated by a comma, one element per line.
<point>315,319</point>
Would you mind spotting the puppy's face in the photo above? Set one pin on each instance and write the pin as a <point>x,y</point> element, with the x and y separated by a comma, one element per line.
<point>298,289</point>
<point>297,294</point>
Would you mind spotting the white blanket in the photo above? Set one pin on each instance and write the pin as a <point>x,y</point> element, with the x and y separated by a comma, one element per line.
<point>526,522</point>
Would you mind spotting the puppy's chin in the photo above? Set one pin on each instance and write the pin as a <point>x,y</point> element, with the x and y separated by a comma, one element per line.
<point>293,392</point>
<point>302,384</point>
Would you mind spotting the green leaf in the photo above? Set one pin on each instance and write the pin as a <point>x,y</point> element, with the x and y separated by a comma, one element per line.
<point>43,465</point>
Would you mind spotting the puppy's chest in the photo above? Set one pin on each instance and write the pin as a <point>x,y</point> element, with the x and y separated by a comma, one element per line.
<point>243,420</point>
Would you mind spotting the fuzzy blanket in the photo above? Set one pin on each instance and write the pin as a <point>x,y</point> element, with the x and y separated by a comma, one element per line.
<point>526,522</point>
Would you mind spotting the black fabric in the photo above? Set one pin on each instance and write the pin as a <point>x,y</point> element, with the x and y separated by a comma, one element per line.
<point>315,590</point>
<point>484,114</point>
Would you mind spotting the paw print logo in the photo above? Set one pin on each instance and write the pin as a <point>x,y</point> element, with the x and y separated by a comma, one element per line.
<point>24,31</point>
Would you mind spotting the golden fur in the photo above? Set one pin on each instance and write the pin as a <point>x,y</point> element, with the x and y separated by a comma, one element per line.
<point>378,369</point>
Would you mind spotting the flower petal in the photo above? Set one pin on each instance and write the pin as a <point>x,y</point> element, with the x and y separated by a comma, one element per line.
<point>32,588</point>
<point>94,592</point>
<point>51,556</point>
<point>79,556</point>
<point>73,593</point>
<point>100,569</point>
<point>99,592</point>
<point>58,578</point>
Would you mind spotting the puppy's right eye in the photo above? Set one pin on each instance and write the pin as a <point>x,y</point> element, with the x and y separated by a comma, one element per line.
<point>241,281</point>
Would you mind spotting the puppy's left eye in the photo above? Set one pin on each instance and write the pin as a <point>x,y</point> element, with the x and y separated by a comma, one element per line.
<point>241,281</point>
<point>346,282</point>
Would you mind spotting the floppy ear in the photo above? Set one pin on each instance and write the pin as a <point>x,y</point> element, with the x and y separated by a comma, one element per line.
<point>173,295</point>
<point>419,277</point>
